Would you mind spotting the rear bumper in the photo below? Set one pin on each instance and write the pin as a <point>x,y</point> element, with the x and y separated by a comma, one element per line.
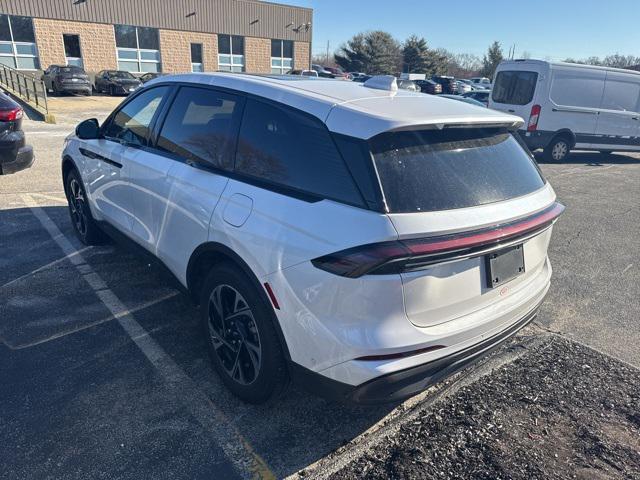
<point>74,88</point>
<point>536,140</point>
<point>403,384</point>
<point>22,160</point>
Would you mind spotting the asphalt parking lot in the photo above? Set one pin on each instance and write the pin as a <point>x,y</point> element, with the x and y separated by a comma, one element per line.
<point>105,373</point>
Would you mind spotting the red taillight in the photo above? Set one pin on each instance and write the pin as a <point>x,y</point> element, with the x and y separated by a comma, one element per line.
<point>11,115</point>
<point>533,118</point>
<point>393,257</point>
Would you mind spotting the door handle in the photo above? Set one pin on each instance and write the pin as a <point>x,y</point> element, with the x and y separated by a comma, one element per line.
<point>634,118</point>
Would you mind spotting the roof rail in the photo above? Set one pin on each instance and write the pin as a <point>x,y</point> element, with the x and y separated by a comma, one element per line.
<point>382,82</point>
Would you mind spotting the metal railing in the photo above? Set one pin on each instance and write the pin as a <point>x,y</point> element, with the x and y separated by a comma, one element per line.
<point>26,87</point>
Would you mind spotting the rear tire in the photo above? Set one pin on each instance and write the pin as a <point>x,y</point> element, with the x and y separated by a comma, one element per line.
<point>557,150</point>
<point>112,91</point>
<point>83,222</point>
<point>243,344</point>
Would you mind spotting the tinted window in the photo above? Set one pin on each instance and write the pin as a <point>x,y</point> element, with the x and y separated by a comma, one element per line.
<point>71,45</point>
<point>276,48</point>
<point>224,44</point>
<point>22,28</point>
<point>148,38</point>
<point>287,49</point>
<point>196,53</point>
<point>131,123</point>
<point>286,147</point>
<point>514,87</point>
<point>202,126</point>
<point>429,170</point>
<point>5,33</point>
<point>577,88</point>
<point>70,70</point>
<point>238,45</point>
<point>621,95</point>
<point>126,36</point>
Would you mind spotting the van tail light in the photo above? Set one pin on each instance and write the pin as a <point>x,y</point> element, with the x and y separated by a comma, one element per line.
<point>533,118</point>
<point>11,115</point>
<point>408,255</point>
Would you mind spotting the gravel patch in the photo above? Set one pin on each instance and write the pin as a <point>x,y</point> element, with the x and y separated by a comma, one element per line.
<point>560,410</point>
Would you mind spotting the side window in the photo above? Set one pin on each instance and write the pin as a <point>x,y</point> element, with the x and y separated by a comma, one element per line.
<point>514,87</point>
<point>131,123</point>
<point>285,147</point>
<point>580,88</point>
<point>201,126</point>
<point>620,94</point>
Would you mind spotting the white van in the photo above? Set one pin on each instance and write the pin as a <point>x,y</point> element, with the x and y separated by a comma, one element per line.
<point>568,106</point>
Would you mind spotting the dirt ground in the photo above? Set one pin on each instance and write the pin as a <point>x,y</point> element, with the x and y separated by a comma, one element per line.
<point>560,411</point>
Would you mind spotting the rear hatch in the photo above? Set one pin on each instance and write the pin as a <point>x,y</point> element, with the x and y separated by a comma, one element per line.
<point>472,209</point>
<point>514,90</point>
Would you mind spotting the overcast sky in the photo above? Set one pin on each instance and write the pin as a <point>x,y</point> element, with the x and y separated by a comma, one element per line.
<point>546,29</point>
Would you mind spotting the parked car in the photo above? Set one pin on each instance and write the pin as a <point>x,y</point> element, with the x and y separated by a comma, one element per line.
<point>280,206</point>
<point>357,75</point>
<point>481,96</point>
<point>116,82</point>
<point>149,76</point>
<point>362,78</point>
<point>465,99</point>
<point>15,154</point>
<point>481,81</point>
<point>66,79</point>
<point>448,84</point>
<point>322,72</point>
<point>429,86</point>
<point>570,106</point>
<point>337,73</point>
<point>462,87</point>
<point>303,73</point>
<point>408,85</point>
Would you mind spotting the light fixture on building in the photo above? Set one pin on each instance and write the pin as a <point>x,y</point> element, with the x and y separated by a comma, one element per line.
<point>79,2</point>
<point>289,25</point>
<point>192,14</point>
<point>253,22</point>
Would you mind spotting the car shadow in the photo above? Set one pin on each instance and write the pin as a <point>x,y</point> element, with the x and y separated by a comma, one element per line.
<point>595,159</point>
<point>48,305</point>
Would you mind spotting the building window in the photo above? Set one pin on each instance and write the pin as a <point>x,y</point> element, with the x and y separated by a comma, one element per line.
<point>138,49</point>
<point>281,56</point>
<point>230,53</point>
<point>72,50</point>
<point>196,57</point>
<point>18,43</point>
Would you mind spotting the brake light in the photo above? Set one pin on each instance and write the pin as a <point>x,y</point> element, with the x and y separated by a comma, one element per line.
<point>11,115</point>
<point>533,118</point>
<point>401,255</point>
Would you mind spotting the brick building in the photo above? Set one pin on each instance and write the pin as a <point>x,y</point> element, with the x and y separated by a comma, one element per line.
<point>171,36</point>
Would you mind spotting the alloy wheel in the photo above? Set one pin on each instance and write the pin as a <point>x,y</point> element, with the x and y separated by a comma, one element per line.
<point>77,206</point>
<point>234,334</point>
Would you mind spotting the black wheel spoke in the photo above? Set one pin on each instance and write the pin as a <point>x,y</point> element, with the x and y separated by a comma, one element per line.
<point>234,334</point>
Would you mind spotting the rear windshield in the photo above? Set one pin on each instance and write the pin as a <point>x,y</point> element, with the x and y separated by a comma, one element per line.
<point>514,87</point>
<point>73,70</point>
<point>428,170</point>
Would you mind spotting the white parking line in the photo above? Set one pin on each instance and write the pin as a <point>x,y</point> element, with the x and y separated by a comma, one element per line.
<point>236,448</point>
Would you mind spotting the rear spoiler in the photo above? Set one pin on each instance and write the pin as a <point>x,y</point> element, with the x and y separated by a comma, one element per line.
<point>511,126</point>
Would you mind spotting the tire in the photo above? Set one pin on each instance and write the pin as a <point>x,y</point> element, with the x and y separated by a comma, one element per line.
<point>54,90</point>
<point>83,223</point>
<point>112,90</point>
<point>241,336</point>
<point>88,93</point>
<point>557,150</point>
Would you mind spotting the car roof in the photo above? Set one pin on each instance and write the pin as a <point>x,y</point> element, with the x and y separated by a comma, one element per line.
<point>349,108</point>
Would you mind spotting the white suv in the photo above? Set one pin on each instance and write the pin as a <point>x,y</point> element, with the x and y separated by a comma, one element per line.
<point>362,240</point>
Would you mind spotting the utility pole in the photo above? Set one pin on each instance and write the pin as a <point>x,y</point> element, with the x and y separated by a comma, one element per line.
<point>326,61</point>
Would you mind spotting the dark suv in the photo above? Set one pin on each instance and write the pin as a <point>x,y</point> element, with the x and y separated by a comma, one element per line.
<point>66,79</point>
<point>448,84</point>
<point>15,155</point>
<point>116,82</point>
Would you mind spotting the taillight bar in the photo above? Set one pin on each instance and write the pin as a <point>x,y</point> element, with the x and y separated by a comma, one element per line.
<point>393,257</point>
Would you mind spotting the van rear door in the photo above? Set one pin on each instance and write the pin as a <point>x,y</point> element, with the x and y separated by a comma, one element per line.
<point>514,91</point>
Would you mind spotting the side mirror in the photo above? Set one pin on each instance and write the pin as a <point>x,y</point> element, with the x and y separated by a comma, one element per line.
<point>88,129</point>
